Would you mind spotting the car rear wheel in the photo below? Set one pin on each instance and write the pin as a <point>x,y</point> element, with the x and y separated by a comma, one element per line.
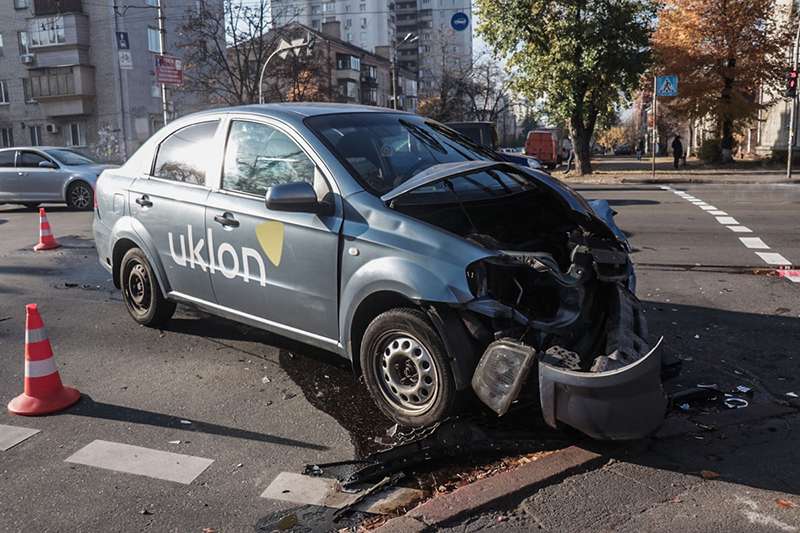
<point>80,196</point>
<point>141,292</point>
<point>406,369</point>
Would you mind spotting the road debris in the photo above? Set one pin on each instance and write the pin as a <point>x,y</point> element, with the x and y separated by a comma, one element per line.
<point>709,474</point>
<point>732,402</point>
<point>186,422</point>
<point>266,380</point>
<point>785,504</point>
<point>174,442</point>
<point>744,389</point>
<point>792,395</point>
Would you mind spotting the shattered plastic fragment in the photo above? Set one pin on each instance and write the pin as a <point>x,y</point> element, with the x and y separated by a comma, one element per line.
<point>186,422</point>
<point>792,395</point>
<point>735,403</point>
<point>786,504</point>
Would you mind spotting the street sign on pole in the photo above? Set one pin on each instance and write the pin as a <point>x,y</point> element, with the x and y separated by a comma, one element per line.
<point>125,60</point>
<point>667,85</point>
<point>169,70</point>
<point>459,21</point>
<point>122,41</point>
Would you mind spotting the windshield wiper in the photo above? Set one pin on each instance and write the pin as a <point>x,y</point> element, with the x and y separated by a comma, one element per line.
<point>449,185</point>
<point>423,136</point>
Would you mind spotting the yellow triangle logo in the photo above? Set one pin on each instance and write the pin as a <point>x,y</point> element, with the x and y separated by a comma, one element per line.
<point>270,237</point>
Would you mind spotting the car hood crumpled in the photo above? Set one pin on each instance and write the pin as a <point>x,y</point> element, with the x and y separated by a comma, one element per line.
<point>581,212</point>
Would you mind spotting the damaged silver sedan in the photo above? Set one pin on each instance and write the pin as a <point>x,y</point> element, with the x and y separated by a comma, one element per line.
<point>440,271</point>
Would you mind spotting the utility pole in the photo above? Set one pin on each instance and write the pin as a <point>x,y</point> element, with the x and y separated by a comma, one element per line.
<point>121,86</point>
<point>655,122</point>
<point>162,38</point>
<point>793,114</point>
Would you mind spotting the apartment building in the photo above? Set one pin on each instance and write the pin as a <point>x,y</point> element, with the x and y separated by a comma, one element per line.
<point>367,24</point>
<point>60,77</point>
<point>350,74</point>
<point>433,49</point>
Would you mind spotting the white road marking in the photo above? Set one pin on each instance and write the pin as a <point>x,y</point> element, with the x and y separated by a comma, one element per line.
<point>754,243</point>
<point>141,461</point>
<point>10,436</point>
<point>718,213</point>
<point>739,229</point>
<point>307,490</point>
<point>707,207</point>
<point>727,221</point>
<point>772,258</point>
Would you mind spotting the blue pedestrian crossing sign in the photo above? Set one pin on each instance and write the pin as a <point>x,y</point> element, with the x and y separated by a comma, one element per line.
<point>667,85</point>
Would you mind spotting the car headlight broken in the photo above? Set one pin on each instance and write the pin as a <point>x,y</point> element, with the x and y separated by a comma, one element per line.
<point>501,373</point>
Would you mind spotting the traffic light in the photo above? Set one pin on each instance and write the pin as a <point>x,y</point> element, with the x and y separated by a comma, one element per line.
<point>791,84</point>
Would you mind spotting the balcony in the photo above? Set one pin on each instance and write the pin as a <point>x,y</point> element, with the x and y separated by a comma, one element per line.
<point>62,91</point>
<point>58,40</point>
<point>55,7</point>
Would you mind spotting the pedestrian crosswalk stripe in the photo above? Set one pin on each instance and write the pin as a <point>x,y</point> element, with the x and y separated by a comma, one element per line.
<point>772,258</point>
<point>727,221</point>
<point>739,229</point>
<point>718,213</point>
<point>754,243</point>
<point>10,436</point>
<point>141,461</point>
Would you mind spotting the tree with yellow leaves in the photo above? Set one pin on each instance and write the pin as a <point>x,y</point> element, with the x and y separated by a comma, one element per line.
<point>724,52</point>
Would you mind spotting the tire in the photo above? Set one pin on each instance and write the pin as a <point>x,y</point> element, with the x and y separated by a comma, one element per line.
<point>141,291</point>
<point>405,368</point>
<point>80,196</point>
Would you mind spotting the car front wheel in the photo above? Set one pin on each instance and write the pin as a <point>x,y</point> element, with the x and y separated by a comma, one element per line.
<point>406,369</point>
<point>141,292</point>
<point>80,196</point>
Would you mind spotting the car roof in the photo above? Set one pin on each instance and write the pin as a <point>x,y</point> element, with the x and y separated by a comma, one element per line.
<point>299,110</point>
<point>38,148</point>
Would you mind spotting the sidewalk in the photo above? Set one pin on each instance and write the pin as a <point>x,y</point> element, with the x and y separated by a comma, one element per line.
<point>616,169</point>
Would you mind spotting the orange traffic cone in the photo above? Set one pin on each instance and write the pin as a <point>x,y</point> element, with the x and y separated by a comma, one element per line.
<point>44,392</point>
<point>46,239</point>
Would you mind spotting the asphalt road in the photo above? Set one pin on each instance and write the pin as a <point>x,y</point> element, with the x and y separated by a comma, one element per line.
<point>259,405</point>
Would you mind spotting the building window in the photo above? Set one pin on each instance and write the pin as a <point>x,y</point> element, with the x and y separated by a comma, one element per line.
<point>154,40</point>
<point>21,4</point>
<point>363,22</point>
<point>22,40</point>
<point>155,88</point>
<point>58,81</point>
<point>152,3</point>
<point>3,92</point>
<point>315,24</point>
<point>36,135</point>
<point>6,137</point>
<point>75,134</point>
<point>1,45</point>
<point>46,31</point>
<point>348,62</point>
<point>362,7</point>
<point>348,89</point>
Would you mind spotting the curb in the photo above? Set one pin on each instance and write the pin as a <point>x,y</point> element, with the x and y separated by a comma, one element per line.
<point>489,492</point>
<point>677,181</point>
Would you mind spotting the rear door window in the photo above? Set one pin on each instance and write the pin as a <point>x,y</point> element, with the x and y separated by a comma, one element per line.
<point>184,156</point>
<point>7,159</point>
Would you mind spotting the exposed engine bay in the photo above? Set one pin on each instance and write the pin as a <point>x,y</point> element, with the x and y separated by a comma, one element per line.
<point>557,294</point>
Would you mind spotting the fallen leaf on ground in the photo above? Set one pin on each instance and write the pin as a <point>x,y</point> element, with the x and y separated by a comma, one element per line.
<point>709,474</point>
<point>786,504</point>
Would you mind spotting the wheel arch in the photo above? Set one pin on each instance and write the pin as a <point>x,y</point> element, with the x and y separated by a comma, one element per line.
<point>126,238</point>
<point>71,182</point>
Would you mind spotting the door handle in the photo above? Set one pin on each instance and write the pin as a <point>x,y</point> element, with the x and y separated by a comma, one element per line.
<point>144,201</point>
<point>227,220</point>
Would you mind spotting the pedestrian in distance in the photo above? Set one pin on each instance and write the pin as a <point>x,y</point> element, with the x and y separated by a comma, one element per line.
<point>640,149</point>
<point>677,150</point>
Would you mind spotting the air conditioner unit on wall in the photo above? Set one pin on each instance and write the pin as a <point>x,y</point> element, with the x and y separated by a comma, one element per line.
<point>52,128</point>
<point>27,59</point>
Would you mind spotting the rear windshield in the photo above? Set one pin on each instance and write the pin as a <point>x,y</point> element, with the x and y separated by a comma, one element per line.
<point>383,150</point>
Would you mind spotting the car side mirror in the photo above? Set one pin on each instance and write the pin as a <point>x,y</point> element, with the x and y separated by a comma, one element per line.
<point>298,197</point>
<point>47,164</point>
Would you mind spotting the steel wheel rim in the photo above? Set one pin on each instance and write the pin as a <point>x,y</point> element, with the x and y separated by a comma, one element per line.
<point>137,288</point>
<point>79,195</point>
<point>406,372</point>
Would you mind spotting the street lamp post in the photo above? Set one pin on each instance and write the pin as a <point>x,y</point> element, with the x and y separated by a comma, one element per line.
<point>284,48</point>
<point>409,38</point>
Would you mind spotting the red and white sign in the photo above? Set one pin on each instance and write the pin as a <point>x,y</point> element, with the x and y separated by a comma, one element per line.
<point>169,70</point>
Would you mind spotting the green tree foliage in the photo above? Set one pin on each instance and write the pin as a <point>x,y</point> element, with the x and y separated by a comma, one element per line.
<point>582,56</point>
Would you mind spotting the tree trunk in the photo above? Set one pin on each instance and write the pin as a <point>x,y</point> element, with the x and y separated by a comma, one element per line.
<point>726,141</point>
<point>581,139</point>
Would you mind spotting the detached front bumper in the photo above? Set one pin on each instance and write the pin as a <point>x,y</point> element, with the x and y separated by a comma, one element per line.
<point>617,395</point>
<point>626,403</point>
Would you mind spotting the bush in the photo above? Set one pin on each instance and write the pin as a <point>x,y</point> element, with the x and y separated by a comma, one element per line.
<point>710,151</point>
